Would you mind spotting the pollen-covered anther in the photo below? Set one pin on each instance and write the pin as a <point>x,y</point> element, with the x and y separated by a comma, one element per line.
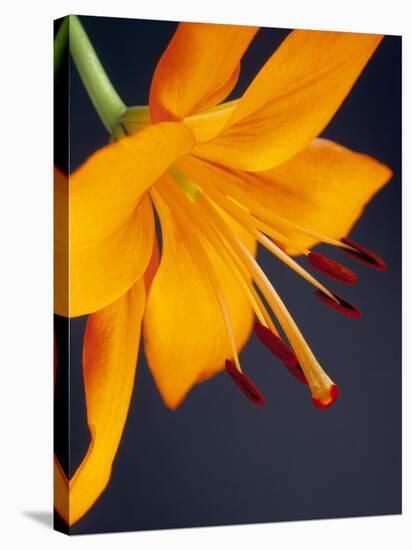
<point>339,304</point>
<point>280,350</point>
<point>364,255</point>
<point>244,383</point>
<point>327,398</point>
<point>332,269</point>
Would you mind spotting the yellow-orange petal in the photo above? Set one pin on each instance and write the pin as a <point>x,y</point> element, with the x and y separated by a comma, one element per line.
<point>323,188</point>
<point>198,69</point>
<point>109,240</point>
<point>208,124</point>
<point>60,491</point>
<point>185,336</point>
<point>292,99</point>
<point>110,353</point>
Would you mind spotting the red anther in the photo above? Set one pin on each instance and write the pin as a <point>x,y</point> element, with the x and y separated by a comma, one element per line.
<point>244,383</point>
<point>275,345</point>
<point>334,394</point>
<point>332,269</point>
<point>341,305</point>
<point>281,351</point>
<point>364,255</point>
<point>297,373</point>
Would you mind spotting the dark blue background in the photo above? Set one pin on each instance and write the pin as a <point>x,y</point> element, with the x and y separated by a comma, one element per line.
<point>217,459</point>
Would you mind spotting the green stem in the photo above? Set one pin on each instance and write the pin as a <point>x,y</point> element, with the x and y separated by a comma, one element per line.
<point>104,97</point>
<point>61,42</point>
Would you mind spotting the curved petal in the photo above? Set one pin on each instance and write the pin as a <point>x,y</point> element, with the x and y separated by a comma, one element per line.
<point>110,352</point>
<point>184,333</point>
<point>153,265</point>
<point>324,188</point>
<point>110,235</point>
<point>292,99</point>
<point>60,491</point>
<point>206,125</point>
<point>61,238</point>
<point>199,69</point>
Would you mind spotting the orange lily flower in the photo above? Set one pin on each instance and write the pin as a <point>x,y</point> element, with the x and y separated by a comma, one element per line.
<point>222,177</point>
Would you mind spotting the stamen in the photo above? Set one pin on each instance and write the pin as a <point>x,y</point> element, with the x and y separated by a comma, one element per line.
<point>339,304</point>
<point>363,255</point>
<point>276,345</point>
<point>290,262</point>
<point>227,204</point>
<point>331,269</point>
<point>252,224</point>
<point>319,382</point>
<point>244,383</point>
<point>260,213</point>
<point>280,350</point>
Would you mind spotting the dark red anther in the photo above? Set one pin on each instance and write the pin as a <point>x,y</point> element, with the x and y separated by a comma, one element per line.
<point>332,269</point>
<point>364,255</point>
<point>275,345</point>
<point>334,394</point>
<point>340,305</point>
<point>244,383</point>
<point>281,351</point>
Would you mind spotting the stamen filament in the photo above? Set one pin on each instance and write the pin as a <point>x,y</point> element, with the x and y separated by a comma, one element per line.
<point>260,214</point>
<point>248,218</point>
<point>250,223</point>
<point>272,247</point>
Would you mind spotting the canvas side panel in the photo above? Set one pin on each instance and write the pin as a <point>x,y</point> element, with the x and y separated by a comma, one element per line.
<point>61,323</point>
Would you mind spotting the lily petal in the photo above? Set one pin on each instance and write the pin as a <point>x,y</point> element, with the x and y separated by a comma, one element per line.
<point>292,99</point>
<point>110,353</point>
<point>323,188</point>
<point>199,69</point>
<point>208,124</point>
<point>184,333</point>
<point>110,233</point>
<point>60,491</point>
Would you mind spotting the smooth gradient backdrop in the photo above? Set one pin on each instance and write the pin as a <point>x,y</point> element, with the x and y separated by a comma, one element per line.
<point>217,459</point>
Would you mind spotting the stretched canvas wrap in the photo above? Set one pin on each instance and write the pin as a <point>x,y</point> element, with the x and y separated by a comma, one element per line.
<point>227,274</point>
